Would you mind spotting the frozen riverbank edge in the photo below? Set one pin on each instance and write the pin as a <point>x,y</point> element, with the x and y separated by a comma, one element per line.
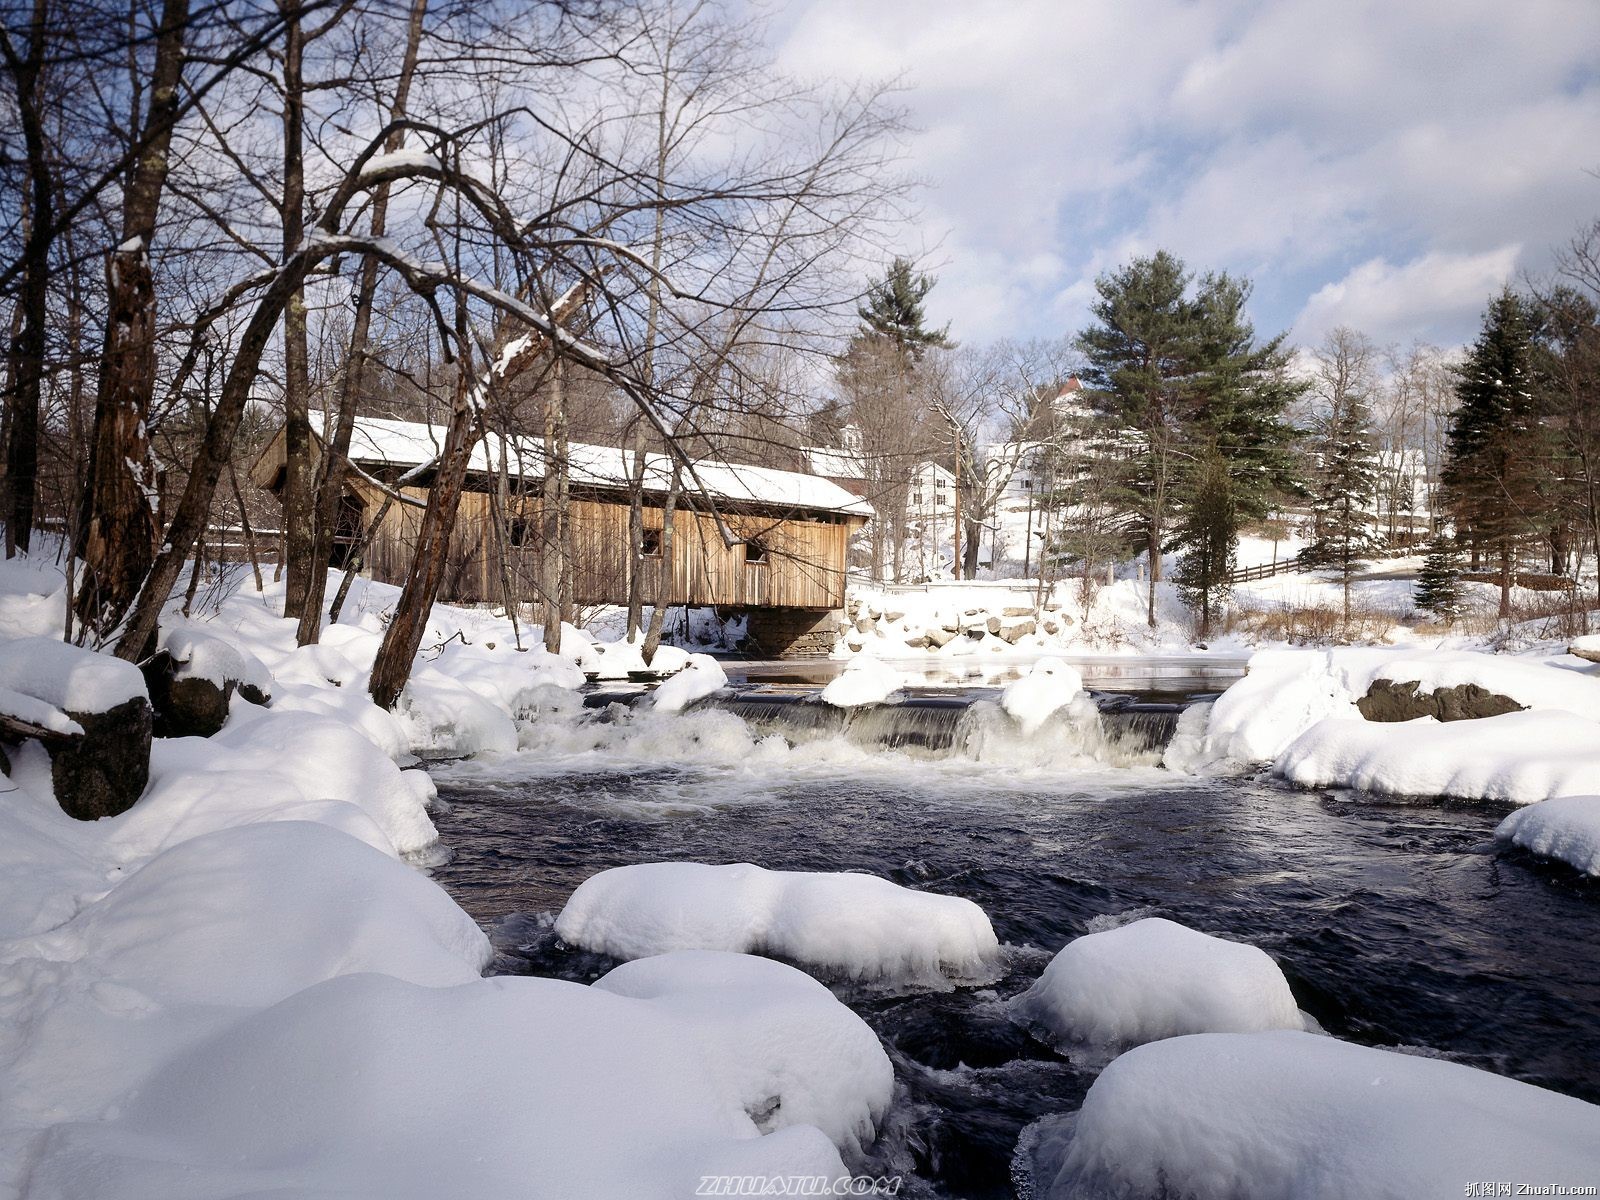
<point>253,929</point>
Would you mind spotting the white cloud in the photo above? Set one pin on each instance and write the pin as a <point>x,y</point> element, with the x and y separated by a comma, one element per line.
<point>1430,298</point>
<point>1280,140</point>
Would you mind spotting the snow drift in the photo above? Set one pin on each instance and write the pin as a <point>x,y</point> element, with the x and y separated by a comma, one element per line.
<point>851,926</point>
<point>1262,1116</point>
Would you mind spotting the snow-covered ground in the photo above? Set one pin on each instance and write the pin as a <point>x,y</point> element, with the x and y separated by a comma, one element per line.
<point>244,986</point>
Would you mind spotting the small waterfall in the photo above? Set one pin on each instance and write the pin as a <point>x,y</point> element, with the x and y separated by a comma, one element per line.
<point>1117,729</point>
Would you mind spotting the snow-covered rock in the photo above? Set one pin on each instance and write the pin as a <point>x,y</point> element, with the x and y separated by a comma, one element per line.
<point>864,680</point>
<point>200,655</point>
<point>1262,1116</point>
<point>68,677</point>
<point>1564,827</point>
<point>1287,693</point>
<point>787,1049</point>
<point>699,677</point>
<point>1048,686</point>
<point>1153,979</point>
<point>381,1089</point>
<point>1519,757</point>
<point>846,925</point>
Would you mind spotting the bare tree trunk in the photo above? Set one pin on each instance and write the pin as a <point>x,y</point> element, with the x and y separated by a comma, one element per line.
<point>554,506</point>
<point>658,610</point>
<point>244,525</point>
<point>392,667</point>
<point>298,483</point>
<point>336,444</point>
<point>28,346</point>
<point>354,563</point>
<point>117,531</point>
<point>636,531</point>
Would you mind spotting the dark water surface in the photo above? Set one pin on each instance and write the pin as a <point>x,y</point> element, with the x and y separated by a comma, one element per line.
<point>1396,924</point>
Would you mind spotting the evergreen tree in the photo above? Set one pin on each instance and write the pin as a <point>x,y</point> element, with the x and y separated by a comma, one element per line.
<point>1497,477</point>
<point>1208,529</point>
<point>1439,584</point>
<point>894,310</point>
<point>1343,493</point>
<point>1176,362</point>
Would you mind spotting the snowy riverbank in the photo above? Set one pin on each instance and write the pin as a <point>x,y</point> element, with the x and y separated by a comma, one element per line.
<point>245,985</point>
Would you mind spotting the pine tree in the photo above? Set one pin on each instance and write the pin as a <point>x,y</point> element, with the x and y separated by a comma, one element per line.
<point>1439,584</point>
<point>894,310</point>
<point>1497,477</point>
<point>1208,529</point>
<point>1176,362</point>
<point>1343,493</point>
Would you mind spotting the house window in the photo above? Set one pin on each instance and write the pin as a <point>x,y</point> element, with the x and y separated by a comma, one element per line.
<point>518,531</point>
<point>650,543</point>
<point>916,497</point>
<point>1027,485</point>
<point>755,554</point>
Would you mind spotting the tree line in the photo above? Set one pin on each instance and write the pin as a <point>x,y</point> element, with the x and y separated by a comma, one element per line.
<point>504,219</point>
<point>1190,430</point>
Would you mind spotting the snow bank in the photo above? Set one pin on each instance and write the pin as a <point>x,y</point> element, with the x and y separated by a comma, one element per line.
<point>864,680</point>
<point>618,660</point>
<point>788,1051</point>
<point>1519,757</point>
<point>1034,699</point>
<point>372,1088</point>
<point>1565,827</point>
<point>849,925</point>
<point>700,676</point>
<point>68,677</point>
<point>33,598</point>
<point>1287,692</point>
<point>1155,979</point>
<point>251,915</point>
<point>295,756</point>
<point>1261,1116</point>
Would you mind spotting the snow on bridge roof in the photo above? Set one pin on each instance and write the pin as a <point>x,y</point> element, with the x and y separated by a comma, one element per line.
<point>381,442</point>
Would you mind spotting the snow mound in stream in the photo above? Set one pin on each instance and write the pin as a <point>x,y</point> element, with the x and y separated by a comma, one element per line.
<point>842,924</point>
<point>864,680</point>
<point>1520,757</point>
<point>1567,828</point>
<point>1032,700</point>
<point>1153,979</point>
<point>1262,1116</point>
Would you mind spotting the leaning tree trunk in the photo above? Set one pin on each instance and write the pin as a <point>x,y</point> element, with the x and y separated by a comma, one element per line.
<point>117,530</point>
<point>336,445</point>
<point>392,667</point>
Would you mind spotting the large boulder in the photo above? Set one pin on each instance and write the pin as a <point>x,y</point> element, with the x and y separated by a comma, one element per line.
<point>1393,700</point>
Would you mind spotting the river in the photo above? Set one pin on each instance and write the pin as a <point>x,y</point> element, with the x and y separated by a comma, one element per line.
<point>1397,924</point>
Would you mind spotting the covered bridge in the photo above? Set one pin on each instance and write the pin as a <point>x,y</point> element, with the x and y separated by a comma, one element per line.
<point>786,568</point>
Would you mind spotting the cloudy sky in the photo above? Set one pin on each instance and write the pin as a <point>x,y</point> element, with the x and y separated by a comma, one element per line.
<point>1382,165</point>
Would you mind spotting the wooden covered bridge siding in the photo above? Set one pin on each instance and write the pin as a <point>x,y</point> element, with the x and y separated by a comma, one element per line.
<point>804,567</point>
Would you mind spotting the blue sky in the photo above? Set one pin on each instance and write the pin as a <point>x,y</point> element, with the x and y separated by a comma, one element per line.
<point>1381,165</point>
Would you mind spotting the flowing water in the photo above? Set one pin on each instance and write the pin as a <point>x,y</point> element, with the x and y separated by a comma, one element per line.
<point>1397,924</point>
